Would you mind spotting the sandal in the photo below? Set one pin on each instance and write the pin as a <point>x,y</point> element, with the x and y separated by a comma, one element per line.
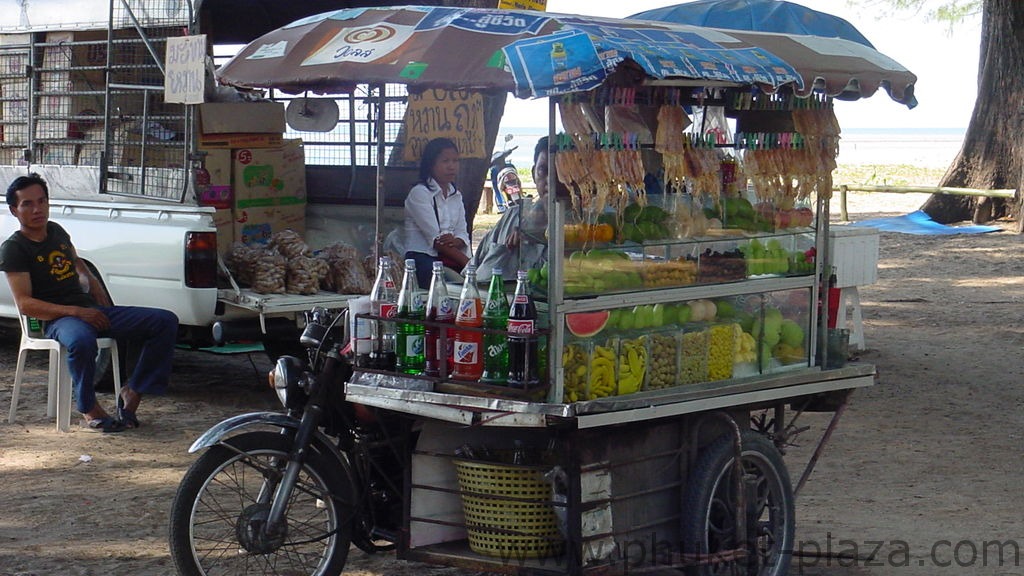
<point>105,425</point>
<point>126,416</point>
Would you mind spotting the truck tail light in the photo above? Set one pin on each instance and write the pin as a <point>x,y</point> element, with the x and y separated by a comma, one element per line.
<point>201,260</point>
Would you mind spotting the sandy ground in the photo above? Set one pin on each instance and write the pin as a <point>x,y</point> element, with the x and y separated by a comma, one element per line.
<point>922,475</point>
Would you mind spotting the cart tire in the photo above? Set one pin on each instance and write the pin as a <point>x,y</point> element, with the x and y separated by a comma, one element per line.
<point>219,496</point>
<point>709,507</point>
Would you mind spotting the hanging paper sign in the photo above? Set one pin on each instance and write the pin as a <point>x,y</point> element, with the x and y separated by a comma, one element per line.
<point>454,114</point>
<point>185,63</point>
<point>539,5</point>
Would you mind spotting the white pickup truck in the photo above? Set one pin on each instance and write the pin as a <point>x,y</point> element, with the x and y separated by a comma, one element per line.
<point>81,86</point>
<point>83,103</point>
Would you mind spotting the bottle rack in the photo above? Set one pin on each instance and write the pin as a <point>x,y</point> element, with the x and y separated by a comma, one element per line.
<point>444,382</point>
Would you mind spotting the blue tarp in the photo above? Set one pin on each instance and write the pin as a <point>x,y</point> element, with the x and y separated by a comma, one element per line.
<point>920,223</point>
<point>760,15</point>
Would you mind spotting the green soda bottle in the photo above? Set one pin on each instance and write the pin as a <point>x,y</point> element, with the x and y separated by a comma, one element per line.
<point>496,345</point>
<point>409,342</point>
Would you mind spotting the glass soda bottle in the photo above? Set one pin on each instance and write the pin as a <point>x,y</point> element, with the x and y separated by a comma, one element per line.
<point>496,318</point>
<point>522,336</point>
<point>467,354</point>
<point>439,309</point>
<point>409,336</point>
<point>383,303</point>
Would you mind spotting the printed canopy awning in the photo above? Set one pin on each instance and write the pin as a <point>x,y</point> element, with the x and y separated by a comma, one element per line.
<point>535,54</point>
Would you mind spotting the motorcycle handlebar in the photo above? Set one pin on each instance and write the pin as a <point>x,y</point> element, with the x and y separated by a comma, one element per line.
<point>500,158</point>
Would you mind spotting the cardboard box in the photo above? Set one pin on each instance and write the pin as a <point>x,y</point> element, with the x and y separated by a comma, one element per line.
<point>90,154</point>
<point>75,61</point>
<point>242,118</point>
<point>219,193</point>
<point>12,157</point>
<point>157,156</point>
<point>269,173</point>
<point>224,220</point>
<point>57,115</point>
<point>14,57</point>
<point>59,154</point>
<point>231,141</point>
<point>15,122</point>
<point>255,225</point>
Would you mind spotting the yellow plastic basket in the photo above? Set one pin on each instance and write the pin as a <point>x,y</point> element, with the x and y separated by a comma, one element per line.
<point>508,511</point>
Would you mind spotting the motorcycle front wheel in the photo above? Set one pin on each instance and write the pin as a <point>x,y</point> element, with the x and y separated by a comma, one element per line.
<point>225,496</point>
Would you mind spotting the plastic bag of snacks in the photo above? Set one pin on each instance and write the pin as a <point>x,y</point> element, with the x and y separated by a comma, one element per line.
<point>290,244</point>
<point>345,271</point>
<point>241,262</point>
<point>269,272</point>
<point>304,274</point>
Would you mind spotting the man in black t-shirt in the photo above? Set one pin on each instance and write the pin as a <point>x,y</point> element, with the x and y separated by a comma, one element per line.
<point>49,282</point>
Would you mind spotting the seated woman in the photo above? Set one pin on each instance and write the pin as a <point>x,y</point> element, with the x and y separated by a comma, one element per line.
<point>435,217</point>
<point>517,240</point>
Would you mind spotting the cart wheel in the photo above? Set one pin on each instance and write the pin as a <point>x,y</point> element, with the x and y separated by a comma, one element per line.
<point>709,508</point>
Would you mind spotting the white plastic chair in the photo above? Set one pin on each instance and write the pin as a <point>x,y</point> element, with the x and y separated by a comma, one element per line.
<point>59,389</point>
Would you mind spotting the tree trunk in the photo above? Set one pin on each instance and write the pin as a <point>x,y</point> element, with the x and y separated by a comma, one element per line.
<point>991,156</point>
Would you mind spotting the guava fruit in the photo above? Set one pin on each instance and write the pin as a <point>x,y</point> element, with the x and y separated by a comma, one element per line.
<point>791,334</point>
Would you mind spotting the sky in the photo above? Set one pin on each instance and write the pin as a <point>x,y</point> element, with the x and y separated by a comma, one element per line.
<point>946,65</point>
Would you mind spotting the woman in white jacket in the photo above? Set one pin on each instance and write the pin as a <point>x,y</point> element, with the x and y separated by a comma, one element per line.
<point>435,216</point>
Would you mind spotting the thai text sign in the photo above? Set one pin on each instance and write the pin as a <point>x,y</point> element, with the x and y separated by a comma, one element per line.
<point>186,69</point>
<point>539,5</point>
<point>454,114</point>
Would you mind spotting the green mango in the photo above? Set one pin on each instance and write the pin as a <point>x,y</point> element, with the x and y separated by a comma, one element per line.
<point>652,214</point>
<point>632,233</point>
<point>533,275</point>
<point>626,320</point>
<point>649,230</point>
<point>683,313</point>
<point>631,213</point>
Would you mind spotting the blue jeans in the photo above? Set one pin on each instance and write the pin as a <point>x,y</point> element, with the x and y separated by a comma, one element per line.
<point>424,268</point>
<point>156,329</point>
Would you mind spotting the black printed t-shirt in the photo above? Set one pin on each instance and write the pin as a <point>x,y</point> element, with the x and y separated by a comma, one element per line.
<point>50,265</point>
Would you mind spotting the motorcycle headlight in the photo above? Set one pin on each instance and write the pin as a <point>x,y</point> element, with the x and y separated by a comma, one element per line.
<point>285,378</point>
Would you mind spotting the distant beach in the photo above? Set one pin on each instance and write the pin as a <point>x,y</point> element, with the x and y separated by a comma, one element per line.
<point>927,148</point>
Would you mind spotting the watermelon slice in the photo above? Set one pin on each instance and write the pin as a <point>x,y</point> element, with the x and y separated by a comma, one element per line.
<point>586,324</point>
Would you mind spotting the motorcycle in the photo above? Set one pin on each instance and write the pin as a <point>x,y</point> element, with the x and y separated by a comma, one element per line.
<point>505,182</point>
<point>287,493</point>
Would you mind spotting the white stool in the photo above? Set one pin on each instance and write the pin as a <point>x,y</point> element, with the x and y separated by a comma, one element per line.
<point>59,390</point>
<point>849,295</point>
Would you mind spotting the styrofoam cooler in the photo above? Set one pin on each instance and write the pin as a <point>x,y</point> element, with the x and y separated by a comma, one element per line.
<point>854,253</point>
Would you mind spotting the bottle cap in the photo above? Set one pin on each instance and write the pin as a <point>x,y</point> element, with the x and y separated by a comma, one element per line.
<point>470,269</point>
<point>438,265</point>
<point>410,263</point>
<point>497,271</point>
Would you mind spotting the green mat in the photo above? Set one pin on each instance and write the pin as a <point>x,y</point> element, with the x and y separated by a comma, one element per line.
<point>238,348</point>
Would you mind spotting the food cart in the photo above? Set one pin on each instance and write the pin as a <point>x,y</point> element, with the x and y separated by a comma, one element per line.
<point>679,348</point>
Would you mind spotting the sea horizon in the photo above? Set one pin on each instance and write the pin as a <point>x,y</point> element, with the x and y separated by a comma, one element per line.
<point>924,147</point>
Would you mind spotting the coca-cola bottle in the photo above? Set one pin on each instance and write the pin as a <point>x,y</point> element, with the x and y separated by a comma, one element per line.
<point>409,335</point>
<point>522,336</point>
<point>496,345</point>
<point>439,310</point>
<point>383,303</point>
<point>467,354</point>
